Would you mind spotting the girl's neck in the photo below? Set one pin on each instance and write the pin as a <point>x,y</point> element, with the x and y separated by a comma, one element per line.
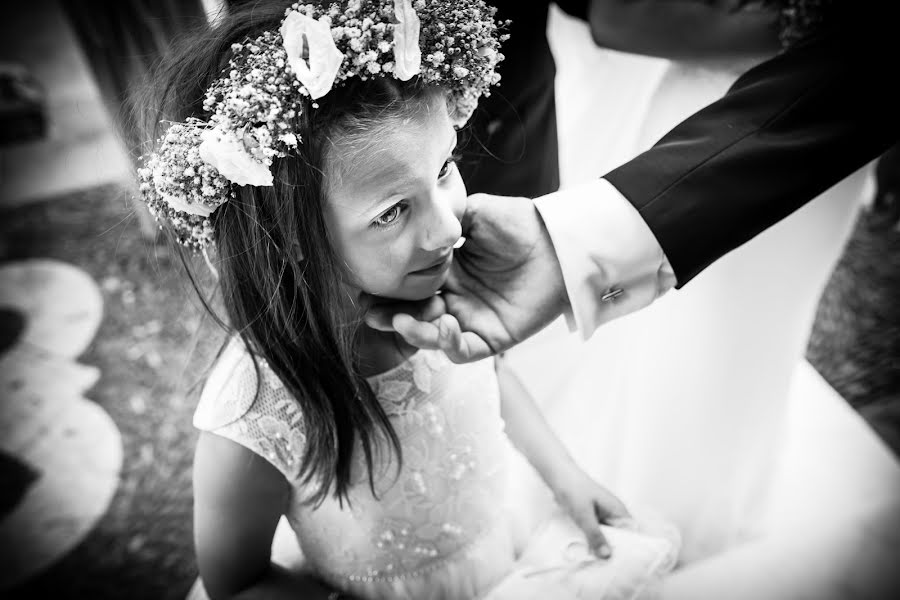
<point>380,351</point>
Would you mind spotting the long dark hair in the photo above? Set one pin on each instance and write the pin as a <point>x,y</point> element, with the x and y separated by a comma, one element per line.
<point>291,311</point>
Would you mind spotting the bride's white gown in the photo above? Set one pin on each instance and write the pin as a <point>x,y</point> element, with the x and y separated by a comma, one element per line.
<point>688,406</point>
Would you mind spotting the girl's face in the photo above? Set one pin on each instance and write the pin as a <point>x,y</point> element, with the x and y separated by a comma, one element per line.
<point>394,205</point>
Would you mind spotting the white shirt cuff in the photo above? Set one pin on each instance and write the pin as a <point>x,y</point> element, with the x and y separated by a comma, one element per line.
<point>603,245</point>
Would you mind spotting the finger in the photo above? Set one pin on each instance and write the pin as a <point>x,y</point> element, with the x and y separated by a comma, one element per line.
<point>442,334</point>
<point>380,315</point>
<point>460,346</point>
<point>598,544</point>
<point>380,318</point>
<point>610,508</point>
<point>596,541</point>
<point>469,218</point>
<point>628,523</point>
<point>450,336</point>
<point>420,334</point>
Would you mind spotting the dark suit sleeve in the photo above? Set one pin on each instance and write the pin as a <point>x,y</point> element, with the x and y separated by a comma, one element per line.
<point>785,132</point>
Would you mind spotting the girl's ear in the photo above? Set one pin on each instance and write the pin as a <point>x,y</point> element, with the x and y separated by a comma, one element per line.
<point>297,251</point>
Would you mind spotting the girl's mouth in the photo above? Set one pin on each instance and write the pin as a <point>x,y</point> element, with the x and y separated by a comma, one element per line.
<point>436,268</point>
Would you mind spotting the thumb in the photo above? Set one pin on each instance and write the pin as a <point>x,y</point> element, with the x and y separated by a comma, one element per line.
<point>469,217</point>
<point>380,314</point>
<point>608,508</point>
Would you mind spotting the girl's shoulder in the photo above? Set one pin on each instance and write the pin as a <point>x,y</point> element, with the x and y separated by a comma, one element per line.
<point>235,385</point>
<point>244,401</point>
<point>230,388</point>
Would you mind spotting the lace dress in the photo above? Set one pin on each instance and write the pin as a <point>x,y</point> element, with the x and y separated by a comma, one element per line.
<point>441,528</point>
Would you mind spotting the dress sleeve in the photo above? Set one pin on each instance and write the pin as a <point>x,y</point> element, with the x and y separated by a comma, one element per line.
<point>254,410</point>
<point>785,132</point>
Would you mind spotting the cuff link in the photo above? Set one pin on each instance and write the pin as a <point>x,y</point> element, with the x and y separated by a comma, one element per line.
<point>611,294</point>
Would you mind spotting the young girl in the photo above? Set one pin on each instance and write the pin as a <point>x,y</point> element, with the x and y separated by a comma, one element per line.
<point>313,148</point>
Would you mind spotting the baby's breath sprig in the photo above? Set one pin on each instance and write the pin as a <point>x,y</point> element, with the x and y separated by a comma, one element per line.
<point>273,78</point>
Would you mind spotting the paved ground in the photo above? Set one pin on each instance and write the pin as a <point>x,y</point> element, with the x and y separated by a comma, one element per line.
<point>855,341</point>
<point>149,350</point>
<point>80,150</point>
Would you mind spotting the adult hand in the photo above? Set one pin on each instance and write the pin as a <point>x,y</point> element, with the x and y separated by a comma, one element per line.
<point>505,284</point>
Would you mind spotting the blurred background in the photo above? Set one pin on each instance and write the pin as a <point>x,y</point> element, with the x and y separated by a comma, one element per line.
<point>101,338</point>
<point>102,343</point>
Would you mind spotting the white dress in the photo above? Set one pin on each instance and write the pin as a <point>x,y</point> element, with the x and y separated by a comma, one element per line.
<point>444,526</point>
<point>684,405</point>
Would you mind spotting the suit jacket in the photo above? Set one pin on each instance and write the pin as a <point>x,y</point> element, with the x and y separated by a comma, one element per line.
<point>510,145</point>
<point>786,131</point>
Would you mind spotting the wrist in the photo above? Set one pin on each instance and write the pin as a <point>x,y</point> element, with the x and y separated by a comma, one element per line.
<point>611,261</point>
<point>562,478</point>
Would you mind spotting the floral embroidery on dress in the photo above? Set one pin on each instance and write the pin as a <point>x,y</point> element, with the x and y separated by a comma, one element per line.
<point>447,496</point>
<point>256,412</point>
<point>422,372</point>
<point>282,443</point>
<point>397,391</point>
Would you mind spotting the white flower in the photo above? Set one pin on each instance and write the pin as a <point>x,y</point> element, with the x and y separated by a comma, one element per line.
<point>178,203</point>
<point>288,138</point>
<point>487,51</point>
<point>460,71</point>
<point>227,155</point>
<point>407,55</point>
<point>311,52</point>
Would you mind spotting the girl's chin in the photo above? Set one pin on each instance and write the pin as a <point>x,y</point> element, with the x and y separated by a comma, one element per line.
<point>418,291</point>
<point>411,289</point>
<point>418,294</point>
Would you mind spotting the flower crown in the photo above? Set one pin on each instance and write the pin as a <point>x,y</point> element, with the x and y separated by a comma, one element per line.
<point>278,75</point>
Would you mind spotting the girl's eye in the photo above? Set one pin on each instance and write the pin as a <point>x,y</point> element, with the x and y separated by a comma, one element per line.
<point>392,214</point>
<point>449,164</point>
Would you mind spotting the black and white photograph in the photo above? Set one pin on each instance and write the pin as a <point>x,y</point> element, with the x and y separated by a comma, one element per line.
<point>450,300</point>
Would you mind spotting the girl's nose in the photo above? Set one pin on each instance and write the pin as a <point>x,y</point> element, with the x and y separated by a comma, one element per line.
<point>444,229</point>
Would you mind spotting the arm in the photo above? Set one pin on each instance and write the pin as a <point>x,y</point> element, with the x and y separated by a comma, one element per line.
<point>684,29</point>
<point>238,500</point>
<point>588,503</point>
<point>786,131</point>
